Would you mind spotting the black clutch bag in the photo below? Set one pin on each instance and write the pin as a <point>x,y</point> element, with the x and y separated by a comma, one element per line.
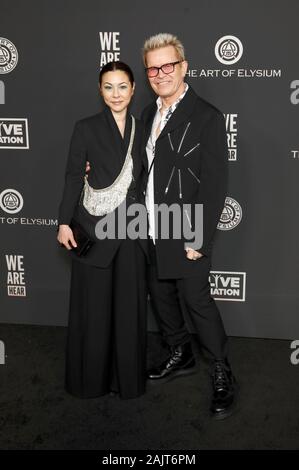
<point>83,240</point>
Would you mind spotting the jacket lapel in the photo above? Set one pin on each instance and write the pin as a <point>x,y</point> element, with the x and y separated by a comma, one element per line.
<point>181,113</point>
<point>127,135</point>
<point>117,142</point>
<point>149,121</point>
<point>120,144</point>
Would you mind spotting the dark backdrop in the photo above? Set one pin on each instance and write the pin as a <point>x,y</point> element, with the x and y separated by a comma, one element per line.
<point>53,82</point>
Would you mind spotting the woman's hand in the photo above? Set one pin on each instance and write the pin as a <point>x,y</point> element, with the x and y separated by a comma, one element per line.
<point>193,254</point>
<point>65,237</point>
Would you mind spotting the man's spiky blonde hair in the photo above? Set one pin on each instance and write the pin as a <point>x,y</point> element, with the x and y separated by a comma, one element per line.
<point>163,40</point>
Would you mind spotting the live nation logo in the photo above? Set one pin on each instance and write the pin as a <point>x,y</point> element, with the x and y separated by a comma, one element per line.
<point>227,285</point>
<point>15,276</point>
<point>110,49</point>
<point>14,133</point>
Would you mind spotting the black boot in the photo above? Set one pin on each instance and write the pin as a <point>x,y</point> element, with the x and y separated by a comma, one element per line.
<point>180,362</point>
<point>224,390</point>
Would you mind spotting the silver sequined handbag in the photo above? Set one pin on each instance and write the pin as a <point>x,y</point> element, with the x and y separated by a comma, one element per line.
<point>106,200</point>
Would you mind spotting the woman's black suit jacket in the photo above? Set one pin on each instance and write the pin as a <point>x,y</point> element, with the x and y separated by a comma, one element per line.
<point>97,139</point>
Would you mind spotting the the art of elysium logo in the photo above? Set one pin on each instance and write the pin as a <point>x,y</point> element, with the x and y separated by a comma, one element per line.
<point>11,201</point>
<point>231,215</point>
<point>227,285</point>
<point>14,133</point>
<point>8,56</point>
<point>229,50</point>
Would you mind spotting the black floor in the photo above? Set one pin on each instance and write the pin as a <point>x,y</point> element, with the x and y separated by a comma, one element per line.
<point>36,412</point>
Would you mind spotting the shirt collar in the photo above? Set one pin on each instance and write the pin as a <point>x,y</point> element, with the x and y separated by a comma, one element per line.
<point>174,105</point>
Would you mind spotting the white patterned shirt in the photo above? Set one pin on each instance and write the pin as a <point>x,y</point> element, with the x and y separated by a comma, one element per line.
<point>161,120</point>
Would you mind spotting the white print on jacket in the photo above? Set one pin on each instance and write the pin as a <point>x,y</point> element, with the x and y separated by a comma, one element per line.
<point>178,169</point>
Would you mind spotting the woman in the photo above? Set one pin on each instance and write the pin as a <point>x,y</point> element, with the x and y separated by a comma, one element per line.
<point>106,346</point>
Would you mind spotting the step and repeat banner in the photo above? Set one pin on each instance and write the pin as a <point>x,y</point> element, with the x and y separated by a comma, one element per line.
<point>243,58</point>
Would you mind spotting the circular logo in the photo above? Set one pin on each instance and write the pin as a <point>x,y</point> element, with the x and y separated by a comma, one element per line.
<point>228,50</point>
<point>231,215</point>
<point>8,56</point>
<point>11,201</point>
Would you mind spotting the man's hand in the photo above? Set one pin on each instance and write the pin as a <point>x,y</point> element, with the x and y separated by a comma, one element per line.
<point>65,237</point>
<point>193,254</point>
<point>87,168</point>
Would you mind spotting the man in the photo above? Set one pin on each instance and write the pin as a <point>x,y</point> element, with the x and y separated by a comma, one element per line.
<point>186,159</point>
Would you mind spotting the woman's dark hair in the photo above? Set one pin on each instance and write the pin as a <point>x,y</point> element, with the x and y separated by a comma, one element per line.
<point>117,65</point>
